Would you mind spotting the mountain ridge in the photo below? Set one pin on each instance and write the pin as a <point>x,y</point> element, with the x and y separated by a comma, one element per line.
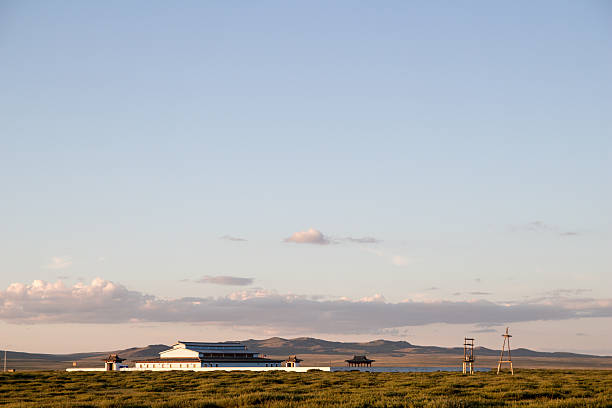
<point>300,345</point>
<point>317,351</point>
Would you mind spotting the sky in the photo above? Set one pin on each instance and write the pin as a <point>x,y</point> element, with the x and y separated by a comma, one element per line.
<point>419,171</point>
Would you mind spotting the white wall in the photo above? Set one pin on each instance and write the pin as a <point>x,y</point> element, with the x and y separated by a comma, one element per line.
<point>196,365</point>
<point>167,365</point>
<point>87,369</point>
<point>290,369</point>
<point>245,364</point>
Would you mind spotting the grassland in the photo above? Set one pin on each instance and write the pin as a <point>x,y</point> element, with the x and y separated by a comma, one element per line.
<point>382,360</point>
<point>527,388</point>
<point>454,360</point>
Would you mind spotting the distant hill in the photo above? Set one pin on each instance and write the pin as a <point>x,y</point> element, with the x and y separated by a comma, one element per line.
<point>39,361</point>
<point>309,345</point>
<point>317,351</point>
<point>402,353</point>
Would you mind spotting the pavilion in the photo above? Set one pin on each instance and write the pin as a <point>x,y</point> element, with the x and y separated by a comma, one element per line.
<point>113,362</point>
<point>360,361</point>
<point>293,361</point>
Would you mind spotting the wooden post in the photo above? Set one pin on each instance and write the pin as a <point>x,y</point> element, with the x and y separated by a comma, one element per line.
<point>506,337</point>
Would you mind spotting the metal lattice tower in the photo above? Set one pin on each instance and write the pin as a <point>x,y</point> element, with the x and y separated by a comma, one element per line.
<point>506,337</point>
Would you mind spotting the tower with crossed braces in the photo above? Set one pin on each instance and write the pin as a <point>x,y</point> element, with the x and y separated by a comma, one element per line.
<point>506,337</point>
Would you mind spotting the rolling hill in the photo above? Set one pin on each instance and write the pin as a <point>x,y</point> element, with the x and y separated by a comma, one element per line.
<point>322,352</point>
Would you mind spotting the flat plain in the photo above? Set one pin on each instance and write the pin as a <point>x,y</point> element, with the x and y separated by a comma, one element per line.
<point>319,352</point>
<point>527,388</point>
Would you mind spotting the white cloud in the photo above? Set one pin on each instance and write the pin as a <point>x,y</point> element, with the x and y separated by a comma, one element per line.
<point>376,298</point>
<point>399,260</point>
<point>394,259</point>
<point>542,227</point>
<point>226,280</point>
<point>363,240</point>
<point>232,238</point>
<point>311,236</point>
<point>377,252</point>
<point>59,262</point>
<point>103,301</point>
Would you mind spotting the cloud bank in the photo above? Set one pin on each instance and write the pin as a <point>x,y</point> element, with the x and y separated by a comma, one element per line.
<point>103,301</point>
<point>226,280</point>
<point>311,236</point>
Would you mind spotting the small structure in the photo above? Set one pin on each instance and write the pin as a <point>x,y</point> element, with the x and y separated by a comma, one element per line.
<point>506,337</point>
<point>293,361</point>
<point>468,355</point>
<point>113,362</point>
<point>360,361</point>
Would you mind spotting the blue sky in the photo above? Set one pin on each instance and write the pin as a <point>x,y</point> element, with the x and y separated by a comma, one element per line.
<point>472,141</point>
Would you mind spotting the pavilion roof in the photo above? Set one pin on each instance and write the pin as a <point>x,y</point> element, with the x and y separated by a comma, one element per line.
<point>113,358</point>
<point>360,359</point>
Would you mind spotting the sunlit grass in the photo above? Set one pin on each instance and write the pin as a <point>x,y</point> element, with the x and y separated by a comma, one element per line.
<point>527,388</point>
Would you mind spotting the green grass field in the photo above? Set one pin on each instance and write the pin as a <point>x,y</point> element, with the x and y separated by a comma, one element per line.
<point>527,388</point>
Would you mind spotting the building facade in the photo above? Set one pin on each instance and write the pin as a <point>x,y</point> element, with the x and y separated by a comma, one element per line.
<point>114,363</point>
<point>188,355</point>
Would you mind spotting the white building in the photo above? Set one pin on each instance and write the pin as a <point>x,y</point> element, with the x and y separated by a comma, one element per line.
<point>196,356</point>
<point>114,363</point>
<point>190,355</point>
<point>293,361</point>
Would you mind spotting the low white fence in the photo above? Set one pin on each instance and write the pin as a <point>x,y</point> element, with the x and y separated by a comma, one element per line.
<point>290,369</point>
<point>86,369</point>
